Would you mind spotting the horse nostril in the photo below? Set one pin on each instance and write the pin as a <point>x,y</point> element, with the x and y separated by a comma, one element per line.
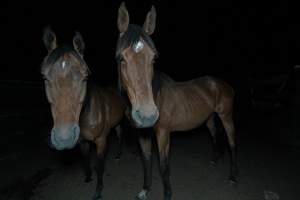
<point>76,130</point>
<point>141,116</point>
<point>54,133</point>
<point>152,117</point>
<point>138,114</point>
<point>155,115</point>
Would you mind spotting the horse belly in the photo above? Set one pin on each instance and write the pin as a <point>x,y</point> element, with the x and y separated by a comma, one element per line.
<point>189,120</point>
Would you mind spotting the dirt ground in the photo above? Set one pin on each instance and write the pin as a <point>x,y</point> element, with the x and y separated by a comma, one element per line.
<point>269,170</point>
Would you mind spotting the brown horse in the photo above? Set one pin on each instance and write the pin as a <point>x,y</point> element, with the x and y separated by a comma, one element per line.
<point>182,106</point>
<point>80,112</point>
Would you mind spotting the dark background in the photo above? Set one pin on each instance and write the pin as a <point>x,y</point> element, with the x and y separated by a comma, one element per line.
<point>228,39</point>
<point>231,40</point>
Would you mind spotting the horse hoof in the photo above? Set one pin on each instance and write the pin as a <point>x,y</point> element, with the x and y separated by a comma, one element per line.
<point>118,156</point>
<point>117,159</point>
<point>168,197</point>
<point>135,154</point>
<point>97,197</point>
<point>232,181</point>
<point>142,195</point>
<point>88,179</point>
<point>140,198</point>
<point>213,163</point>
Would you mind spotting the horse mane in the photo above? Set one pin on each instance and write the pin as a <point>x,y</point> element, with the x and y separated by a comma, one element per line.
<point>131,37</point>
<point>59,52</point>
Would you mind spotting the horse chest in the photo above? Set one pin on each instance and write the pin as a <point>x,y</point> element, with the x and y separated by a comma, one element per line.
<point>94,124</point>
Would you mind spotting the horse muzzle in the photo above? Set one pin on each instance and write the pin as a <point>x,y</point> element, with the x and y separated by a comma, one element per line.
<point>65,137</point>
<point>144,119</point>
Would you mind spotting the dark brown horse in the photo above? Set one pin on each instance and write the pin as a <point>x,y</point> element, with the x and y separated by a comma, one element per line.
<point>182,106</point>
<point>80,112</point>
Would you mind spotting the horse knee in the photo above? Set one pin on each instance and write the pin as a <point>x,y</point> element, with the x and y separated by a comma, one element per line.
<point>100,145</point>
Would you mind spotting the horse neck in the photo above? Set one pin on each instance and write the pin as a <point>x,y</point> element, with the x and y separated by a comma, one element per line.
<point>156,83</point>
<point>93,93</point>
<point>94,105</point>
<point>161,80</point>
<point>87,99</point>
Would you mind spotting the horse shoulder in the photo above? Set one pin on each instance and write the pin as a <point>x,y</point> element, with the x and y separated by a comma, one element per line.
<point>97,105</point>
<point>166,103</point>
<point>93,115</point>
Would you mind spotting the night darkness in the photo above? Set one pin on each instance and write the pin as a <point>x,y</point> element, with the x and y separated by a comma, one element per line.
<point>238,42</point>
<point>230,38</point>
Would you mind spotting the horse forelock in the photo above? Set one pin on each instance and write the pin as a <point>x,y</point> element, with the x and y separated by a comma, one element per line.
<point>64,55</point>
<point>133,38</point>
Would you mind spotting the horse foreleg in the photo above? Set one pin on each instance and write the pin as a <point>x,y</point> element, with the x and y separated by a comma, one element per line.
<point>85,150</point>
<point>230,132</point>
<point>163,143</point>
<point>145,141</point>
<point>120,142</point>
<point>100,146</point>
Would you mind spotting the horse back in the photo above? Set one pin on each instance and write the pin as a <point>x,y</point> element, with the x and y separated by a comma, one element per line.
<point>221,92</point>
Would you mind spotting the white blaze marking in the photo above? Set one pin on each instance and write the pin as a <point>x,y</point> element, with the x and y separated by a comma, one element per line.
<point>138,47</point>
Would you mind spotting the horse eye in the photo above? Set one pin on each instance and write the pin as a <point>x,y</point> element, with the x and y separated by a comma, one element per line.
<point>46,80</point>
<point>121,59</point>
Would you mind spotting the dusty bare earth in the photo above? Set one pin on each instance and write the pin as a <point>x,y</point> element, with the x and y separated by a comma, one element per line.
<point>269,169</point>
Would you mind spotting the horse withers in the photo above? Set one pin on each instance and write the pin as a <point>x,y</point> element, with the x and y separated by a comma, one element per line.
<point>158,101</point>
<point>81,113</point>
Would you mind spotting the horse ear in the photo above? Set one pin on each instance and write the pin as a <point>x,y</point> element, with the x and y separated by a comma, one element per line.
<point>49,39</point>
<point>150,22</point>
<point>78,43</point>
<point>123,18</point>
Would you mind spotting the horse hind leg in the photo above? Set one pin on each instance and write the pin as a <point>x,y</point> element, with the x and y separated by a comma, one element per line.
<point>230,132</point>
<point>212,127</point>
<point>85,150</point>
